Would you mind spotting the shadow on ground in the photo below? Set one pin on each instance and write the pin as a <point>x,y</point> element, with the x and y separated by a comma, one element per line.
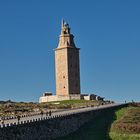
<point>96,129</point>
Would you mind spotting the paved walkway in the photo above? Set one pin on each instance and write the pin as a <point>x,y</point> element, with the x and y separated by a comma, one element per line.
<point>64,112</point>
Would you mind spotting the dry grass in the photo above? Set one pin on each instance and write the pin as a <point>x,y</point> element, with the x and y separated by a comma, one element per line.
<point>127,124</point>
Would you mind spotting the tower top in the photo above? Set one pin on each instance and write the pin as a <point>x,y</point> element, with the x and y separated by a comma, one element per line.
<point>65,29</point>
<point>66,38</point>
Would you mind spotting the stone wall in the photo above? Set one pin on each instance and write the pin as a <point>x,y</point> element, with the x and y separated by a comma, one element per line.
<point>49,128</point>
<point>58,98</point>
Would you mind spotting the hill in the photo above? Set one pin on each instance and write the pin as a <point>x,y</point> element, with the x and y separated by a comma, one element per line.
<point>127,124</point>
<point>9,108</point>
<point>122,124</point>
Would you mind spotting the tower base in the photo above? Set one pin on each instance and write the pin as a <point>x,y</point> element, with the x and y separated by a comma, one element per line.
<point>59,98</point>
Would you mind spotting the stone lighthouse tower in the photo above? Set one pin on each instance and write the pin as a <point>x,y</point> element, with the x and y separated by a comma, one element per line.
<point>67,66</point>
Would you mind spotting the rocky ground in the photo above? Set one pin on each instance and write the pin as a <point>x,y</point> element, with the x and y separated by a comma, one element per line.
<point>10,108</point>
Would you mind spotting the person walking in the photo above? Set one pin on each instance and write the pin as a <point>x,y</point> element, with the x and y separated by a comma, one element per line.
<point>46,113</point>
<point>41,114</point>
<point>50,113</point>
<point>18,118</point>
<point>2,120</point>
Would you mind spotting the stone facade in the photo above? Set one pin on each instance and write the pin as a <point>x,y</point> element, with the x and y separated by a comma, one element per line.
<point>67,65</point>
<point>58,98</point>
<point>50,128</point>
<point>47,129</point>
<point>91,97</point>
<point>67,70</point>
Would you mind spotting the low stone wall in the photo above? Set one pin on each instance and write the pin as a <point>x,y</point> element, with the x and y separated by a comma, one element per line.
<point>49,128</point>
<point>59,98</point>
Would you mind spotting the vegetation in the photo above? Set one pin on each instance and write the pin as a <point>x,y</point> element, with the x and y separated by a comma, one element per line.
<point>127,124</point>
<point>10,108</point>
<point>121,124</point>
<point>71,104</point>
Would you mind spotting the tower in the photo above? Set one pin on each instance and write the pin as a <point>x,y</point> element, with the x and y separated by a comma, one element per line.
<point>67,65</point>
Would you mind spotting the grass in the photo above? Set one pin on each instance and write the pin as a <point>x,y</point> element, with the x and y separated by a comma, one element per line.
<point>71,104</point>
<point>127,124</point>
<point>9,108</point>
<point>110,126</point>
<point>122,124</point>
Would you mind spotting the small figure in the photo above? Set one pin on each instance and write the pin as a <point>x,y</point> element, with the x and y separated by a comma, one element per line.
<point>50,113</point>
<point>18,118</point>
<point>41,113</point>
<point>2,121</point>
<point>46,113</point>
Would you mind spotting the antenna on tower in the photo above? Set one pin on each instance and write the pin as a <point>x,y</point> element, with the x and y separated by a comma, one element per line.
<point>62,22</point>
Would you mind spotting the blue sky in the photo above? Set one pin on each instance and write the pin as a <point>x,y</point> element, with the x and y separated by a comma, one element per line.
<point>108,33</point>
